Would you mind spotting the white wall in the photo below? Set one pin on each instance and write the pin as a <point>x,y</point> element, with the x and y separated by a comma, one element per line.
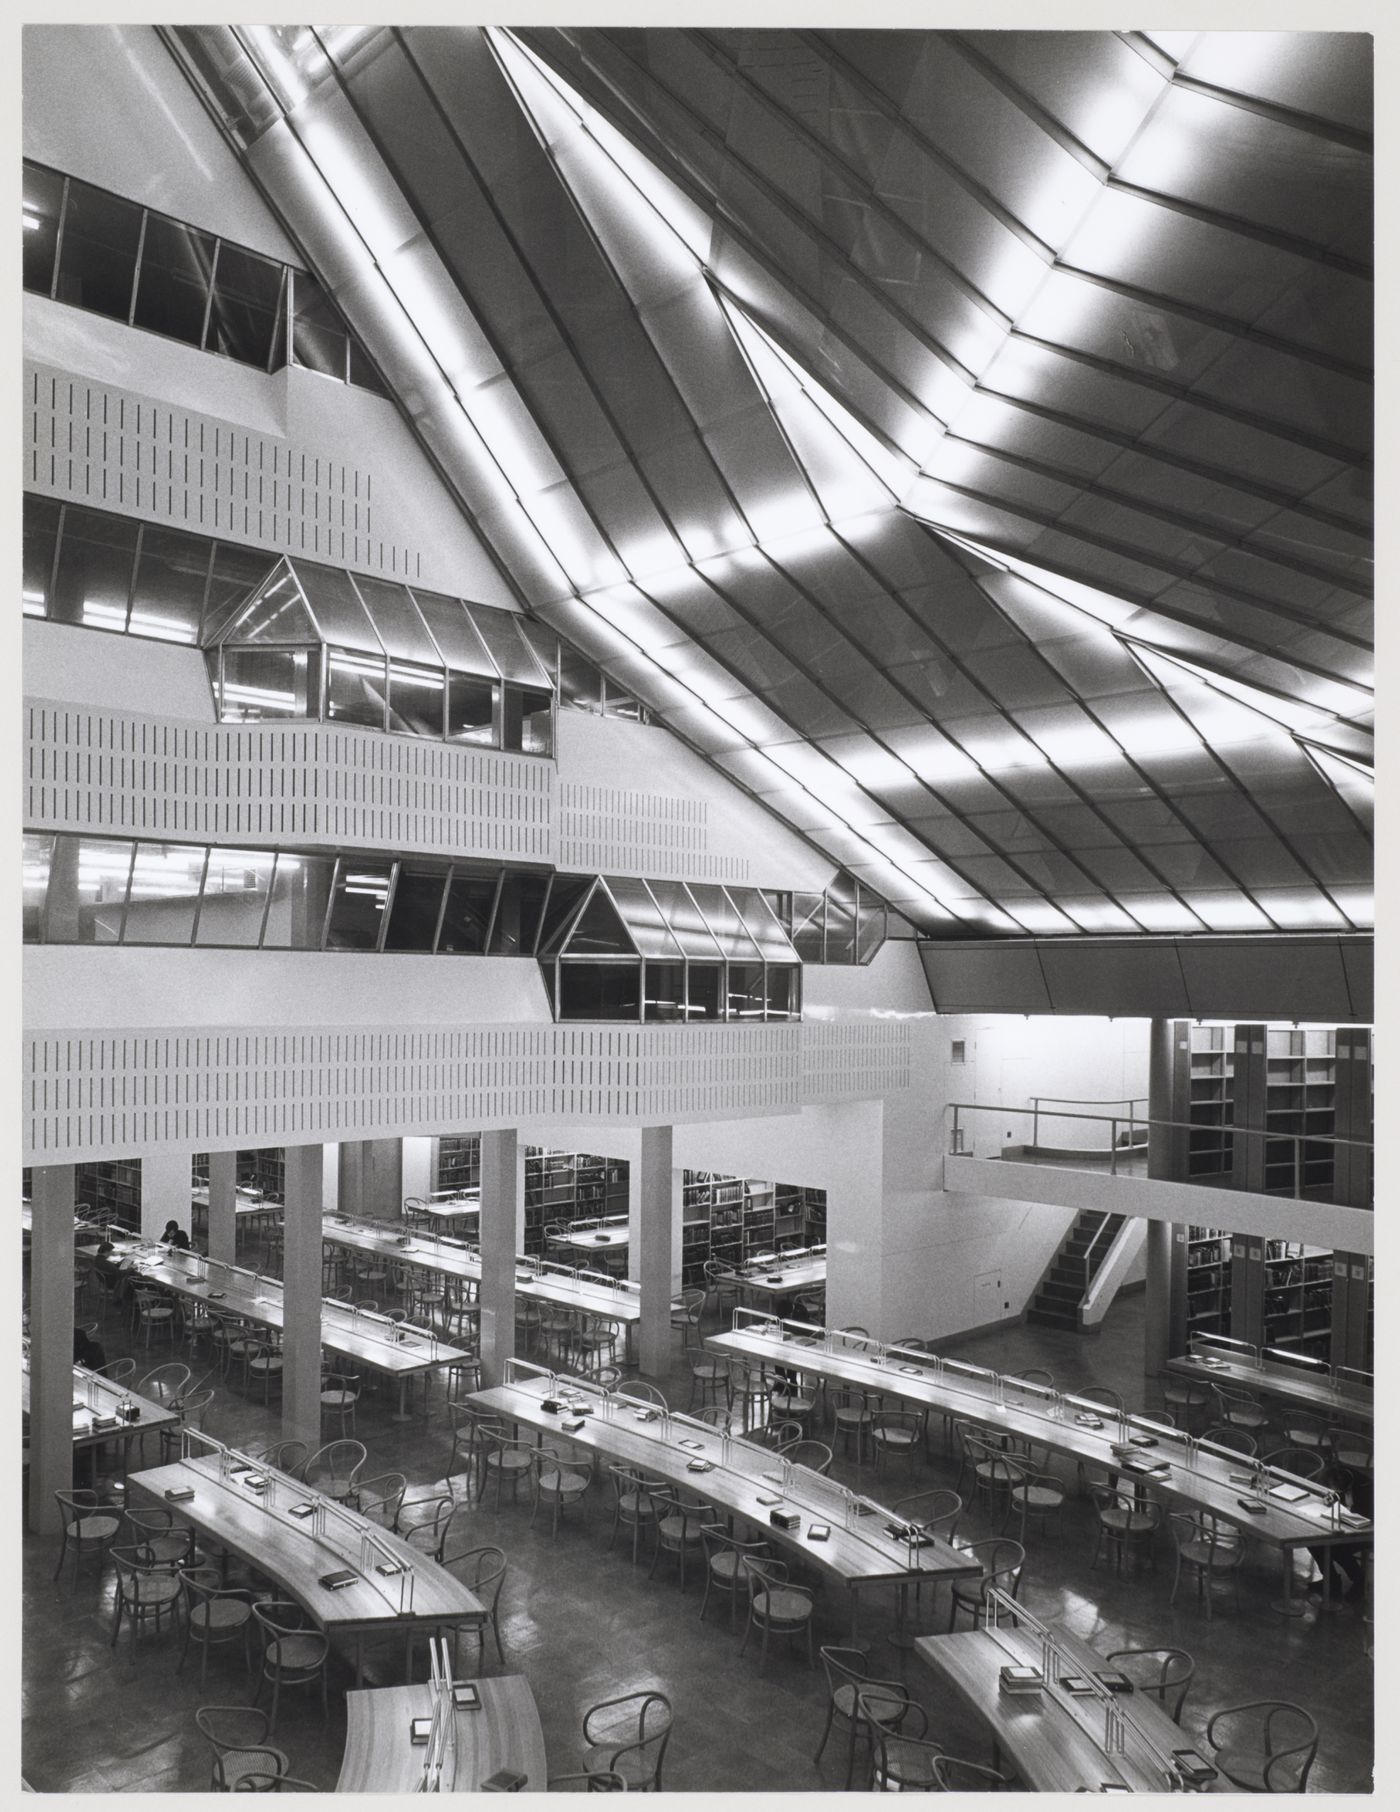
<point>117,672</point>
<point>607,753</point>
<point>107,103</point>
<point>100,988</point>
<point>1010,1058</point>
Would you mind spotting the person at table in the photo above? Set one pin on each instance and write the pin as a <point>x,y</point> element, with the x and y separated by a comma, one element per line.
<point>175,1237</point>
<point>1356,1493</point>
<point>87,1351</point>
<point>112,1269</point>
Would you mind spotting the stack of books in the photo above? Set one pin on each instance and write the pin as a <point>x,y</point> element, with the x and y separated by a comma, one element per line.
<point>1015,1679</point>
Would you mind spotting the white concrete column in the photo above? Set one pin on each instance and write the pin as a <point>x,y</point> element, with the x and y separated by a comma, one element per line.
<point>656,1231</point>
<point>861,1217</point>
<point>502,1227</point>
<point>50,1344</point>
<point>330,1178</point>
<point>301,1301</point>
<point>351,1163</point>
<point>1156,1343</point>
<point>167,1178</point>
<point>223,1194</point>
<point>418,1167</point>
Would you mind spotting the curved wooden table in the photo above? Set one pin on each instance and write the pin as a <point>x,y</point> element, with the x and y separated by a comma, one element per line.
<point>504,1732</point>
<point>1277,1381</point>
<point>1054,1739</point>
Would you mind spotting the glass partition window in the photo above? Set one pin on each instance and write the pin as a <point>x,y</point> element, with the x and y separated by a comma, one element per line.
<point>600,990</point>
<point>163,900</point>
<point>296,909</point>
<point>472,709</point>
<point>355,688</point>
<point>466,923</point>
<point>96,560</point>
<point>417,906</point>
<point>527,720</point>
<point>275,683</point>
<point>38,856</point>
<point>518,913</point>
<point>236,887</point>
<point>87,890</point>
<point>358,904</point>
<point>97,251</point>
<point>167,596</point>
<point>416,700</point>
<point>41,519</point>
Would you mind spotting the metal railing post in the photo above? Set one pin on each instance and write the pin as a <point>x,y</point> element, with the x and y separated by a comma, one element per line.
<point>1113,1147</point>
<point>1035,1123</point>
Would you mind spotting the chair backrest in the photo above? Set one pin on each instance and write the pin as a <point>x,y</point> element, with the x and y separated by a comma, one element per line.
<point>815,1454</point>
<point>1166,1673</point>
<point>164,1382</point>
<point>643,1392</point>
<point>1108,1498</point>
<point>775,1435</point>
<point>1002,1562</point>
<point>285,1456</point>
<point>379,1498</point>
<point>937,1511</point>
<point>1101,1393</point>
<point>116,1371</point>
<point>637,1725</point>
<point>1036,1374</point>
<point>337,1463</point>
<point>1302,1462</point>
<point>1281,1734</point>
<point>1238,1440</point>
<point>953,1776</point>
<point>232,1727</point>
<point>482,1570</point>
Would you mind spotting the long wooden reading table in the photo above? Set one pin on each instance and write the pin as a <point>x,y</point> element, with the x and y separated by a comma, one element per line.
<point>502,1732</point>
<point>535,1279</point>
<point>300,1538</point>
<point>97,1407</point>
<point>1317,1392</point>
<point>783,1274</point>
<point>740,1478</point>
<point>1056,1739</point>
<point>1198,1475</point>
<point>397,1350</point>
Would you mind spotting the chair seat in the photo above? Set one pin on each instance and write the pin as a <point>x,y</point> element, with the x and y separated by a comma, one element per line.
<point>93,1528</point>
<point>338,1399</point>
<point>1359,1459</point>
<point>709,1368</point>
<point>599,1760</point>
<point>881,1710</point>
<point>1244,1767</point>
<point>791,1402</point>
<point>509,1461</point>
<point>637,1505</point>
<point>1246,1418</point>
<point>894,1437</point>
<point>563,1483</point>
<point>779,1605</point>
<point>296,1651</point>
<point>906,1762</point>
<point>156,1589</point>
<point>994,1472</point>
<point>221,1614</point>
<point>725,1564</point>
<point>1202,1554</point>
<point>676,1529</point>
<point>272,1363</point>
<point>1043,1497</point>
<point>238,1762</point>
<point>1129,1522</point>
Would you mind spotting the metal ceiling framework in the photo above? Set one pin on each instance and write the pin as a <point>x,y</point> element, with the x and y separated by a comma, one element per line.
<point>962,439</point>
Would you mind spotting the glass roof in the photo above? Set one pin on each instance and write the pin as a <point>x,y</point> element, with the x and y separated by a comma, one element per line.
<point>975,466</point>
<point>669,920</point>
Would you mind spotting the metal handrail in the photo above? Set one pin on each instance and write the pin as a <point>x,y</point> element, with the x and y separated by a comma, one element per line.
<point>1131,1102</point>
<point>1099,1232</point>
<point>1113,1121</point>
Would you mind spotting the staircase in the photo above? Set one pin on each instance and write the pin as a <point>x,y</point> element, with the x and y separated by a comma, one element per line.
<point>1066,1283</point>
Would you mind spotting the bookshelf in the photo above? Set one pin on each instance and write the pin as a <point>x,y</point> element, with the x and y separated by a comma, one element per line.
<point>1299,1098</point>
<point>1298,1298</point>
<point>570,1186</point>
<point>112,1189</point>
<point>458,1164</point>
<point>1210,1105</point>
<point>731,1218</point>
<point>1208,1281</point>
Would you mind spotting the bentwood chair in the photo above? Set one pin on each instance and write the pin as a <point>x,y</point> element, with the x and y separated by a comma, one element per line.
<point>215,1615</point>
<point>723,1569</point>
<point>815,1455</point>
<point>483,1571</point>
<point>1125,1524</point>
<point>856,1696</point>
<point>334,1470</point>
<point>1183,1396</point>
<point>378,1499</point>
<point>90,1526</point>
<point>1241,1409</point>
<point>628,1736</point>
<point>632,1504</point>
<point>1002,1563</point>
<point>283,1456</point>
<point>272,1781</point>
<point>422,1521</point>
<point>1164,1673</point>
<point>194,1406</point>
<point>953,1776</point>
<point>165,1542</point>
<point>561,1476</point>
<point>901,1760</point>
<point>504,1459</point>
<point>1211,1549</point>
<point>237,1736</point>
<point>1266,1746</point>
<point>340,1393</point>
<point>679,1523</point>
<point>294,1652</point>
<point>146,1590</point>
<point>897,1434</point>
<point>1035,1494</point>
<point>776,1606</point>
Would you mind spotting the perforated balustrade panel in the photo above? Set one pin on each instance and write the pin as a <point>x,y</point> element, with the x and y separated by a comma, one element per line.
<point>617,830</point>
<point>88,768</point>
<point>88,1096</point>
<point>93,443</point>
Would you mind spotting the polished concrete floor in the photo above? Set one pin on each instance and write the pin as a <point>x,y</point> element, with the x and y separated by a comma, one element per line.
<point>583,1625</point>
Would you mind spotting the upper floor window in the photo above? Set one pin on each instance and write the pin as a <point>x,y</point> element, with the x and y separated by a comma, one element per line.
<point>99,252</point>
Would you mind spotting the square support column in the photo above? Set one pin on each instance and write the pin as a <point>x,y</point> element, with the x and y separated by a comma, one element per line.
<point>166,1183</point>
<point>50,1344</point>
<point>502,1225</point>
<point>1156,1344</point>
<point>301,1300</point>
<point>222,1227</point>
<point>654,1215</point>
